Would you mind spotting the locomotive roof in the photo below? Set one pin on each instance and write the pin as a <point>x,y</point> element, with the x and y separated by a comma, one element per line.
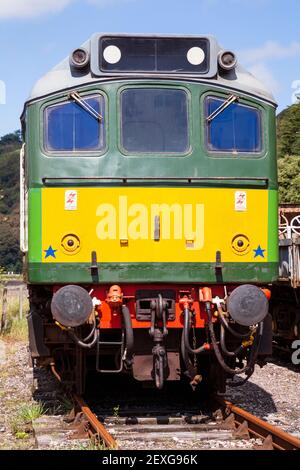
<point>63,76</point>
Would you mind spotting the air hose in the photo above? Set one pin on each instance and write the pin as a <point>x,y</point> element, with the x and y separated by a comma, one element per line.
<point>91,332</point>
<point>129,346</point>
<point>236,352</point>
<point>191,371</point>
<point>95,333</point>
<point>248,367</point>
<point>227,327</point>
<point>81,343</point>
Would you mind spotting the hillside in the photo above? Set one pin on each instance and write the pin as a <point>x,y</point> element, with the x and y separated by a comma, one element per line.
<point>10,257</point>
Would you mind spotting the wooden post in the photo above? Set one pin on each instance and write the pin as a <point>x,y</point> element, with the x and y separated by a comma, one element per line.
<point>21,302</point>
<point>4,310</point>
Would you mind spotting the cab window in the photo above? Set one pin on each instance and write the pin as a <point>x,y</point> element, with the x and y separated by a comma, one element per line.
<point>154,120</point>
<point>74,126</point>
<point>235,129</point>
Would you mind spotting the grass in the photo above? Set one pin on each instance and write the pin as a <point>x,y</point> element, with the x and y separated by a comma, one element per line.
<point>64,405</point>
<point>21,422</point>
<point>116,411</point>
<point>16,327</point>
<point>4,277</point>
<point>31,411</point>
<point>91,445</point>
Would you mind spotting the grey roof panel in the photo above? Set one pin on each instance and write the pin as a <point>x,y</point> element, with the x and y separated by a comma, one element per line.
<point>62,76</point>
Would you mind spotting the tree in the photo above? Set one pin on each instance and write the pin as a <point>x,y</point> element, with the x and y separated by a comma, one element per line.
<point>10,256</point>
<point>14,138</point>
<point>289,179</point>
<point>288,131</point>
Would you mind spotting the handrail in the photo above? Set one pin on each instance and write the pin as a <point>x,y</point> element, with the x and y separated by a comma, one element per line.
<point>23,204</point>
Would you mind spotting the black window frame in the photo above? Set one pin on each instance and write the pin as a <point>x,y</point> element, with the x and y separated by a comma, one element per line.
<point>73,153</point>
<point>205,46</point>
<point>154,154</point>
<point>232,153</point>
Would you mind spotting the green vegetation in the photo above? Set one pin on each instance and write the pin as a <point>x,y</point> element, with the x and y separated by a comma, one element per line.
<point>10,256</point>
<point>21,422</point>
<point>63,406</point>
<point>89,446</point>
<point>16,330</point>
<point>288,131</point>
<point>16,327</point>
<point>31,411</point>
<point>288,149</point>
<point>289,179</point>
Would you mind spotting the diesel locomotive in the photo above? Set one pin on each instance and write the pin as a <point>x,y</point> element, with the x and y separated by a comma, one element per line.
<point>149,212</point>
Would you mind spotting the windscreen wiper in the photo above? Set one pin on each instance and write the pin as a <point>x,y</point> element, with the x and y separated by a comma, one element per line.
<point>85,105</point>
<point>231,99</point>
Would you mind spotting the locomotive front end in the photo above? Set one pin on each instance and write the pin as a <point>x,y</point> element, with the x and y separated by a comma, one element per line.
<point>150,211</point>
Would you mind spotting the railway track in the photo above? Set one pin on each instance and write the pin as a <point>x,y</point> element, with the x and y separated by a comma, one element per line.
<point>164,429</point>
<point>92,426</point>
<point>272,437</point>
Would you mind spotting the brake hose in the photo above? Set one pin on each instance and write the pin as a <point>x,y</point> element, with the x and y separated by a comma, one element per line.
<point>191,371</point>
<point>81,343</point>
<point>236,352</point>
<point>226,325</point>
<point>218,354</point>
<point>129,336</point>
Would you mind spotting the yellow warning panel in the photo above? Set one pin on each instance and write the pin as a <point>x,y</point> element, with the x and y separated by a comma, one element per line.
<point>154,224</point>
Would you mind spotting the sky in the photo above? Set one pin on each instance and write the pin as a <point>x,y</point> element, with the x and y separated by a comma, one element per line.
<point>35,35</point>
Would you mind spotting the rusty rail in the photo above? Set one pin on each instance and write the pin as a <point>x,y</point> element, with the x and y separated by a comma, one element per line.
<point>244,423</point>
<point>272,436</point>
<point>98,428</point>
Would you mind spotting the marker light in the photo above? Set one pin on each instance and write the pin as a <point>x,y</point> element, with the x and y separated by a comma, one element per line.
<point>227,60</point>
<point>79,58</point>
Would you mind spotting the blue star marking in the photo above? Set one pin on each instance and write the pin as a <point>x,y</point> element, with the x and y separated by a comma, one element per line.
<point>259,252</point>
<point>50,252</point>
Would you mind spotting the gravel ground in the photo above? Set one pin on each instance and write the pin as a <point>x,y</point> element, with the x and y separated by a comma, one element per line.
<point>272,393</point>
<point>15,392</point>
<point>181,444</point>
<point>18,388</point>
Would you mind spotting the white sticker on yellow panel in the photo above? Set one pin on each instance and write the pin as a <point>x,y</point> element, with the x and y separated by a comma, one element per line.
<point>240,201</point>
<point>70,200</point>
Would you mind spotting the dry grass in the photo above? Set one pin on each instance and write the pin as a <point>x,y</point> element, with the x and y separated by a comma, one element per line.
<point>16,327</point>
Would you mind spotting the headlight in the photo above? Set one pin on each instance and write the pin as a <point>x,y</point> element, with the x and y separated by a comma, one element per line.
<point>247,305</point>
<point>71,306</point>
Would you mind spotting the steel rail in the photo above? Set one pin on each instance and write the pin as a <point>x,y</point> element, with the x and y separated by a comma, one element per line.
<point>272,436</point>
<point>95,424</point>
<point>258,428</point>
